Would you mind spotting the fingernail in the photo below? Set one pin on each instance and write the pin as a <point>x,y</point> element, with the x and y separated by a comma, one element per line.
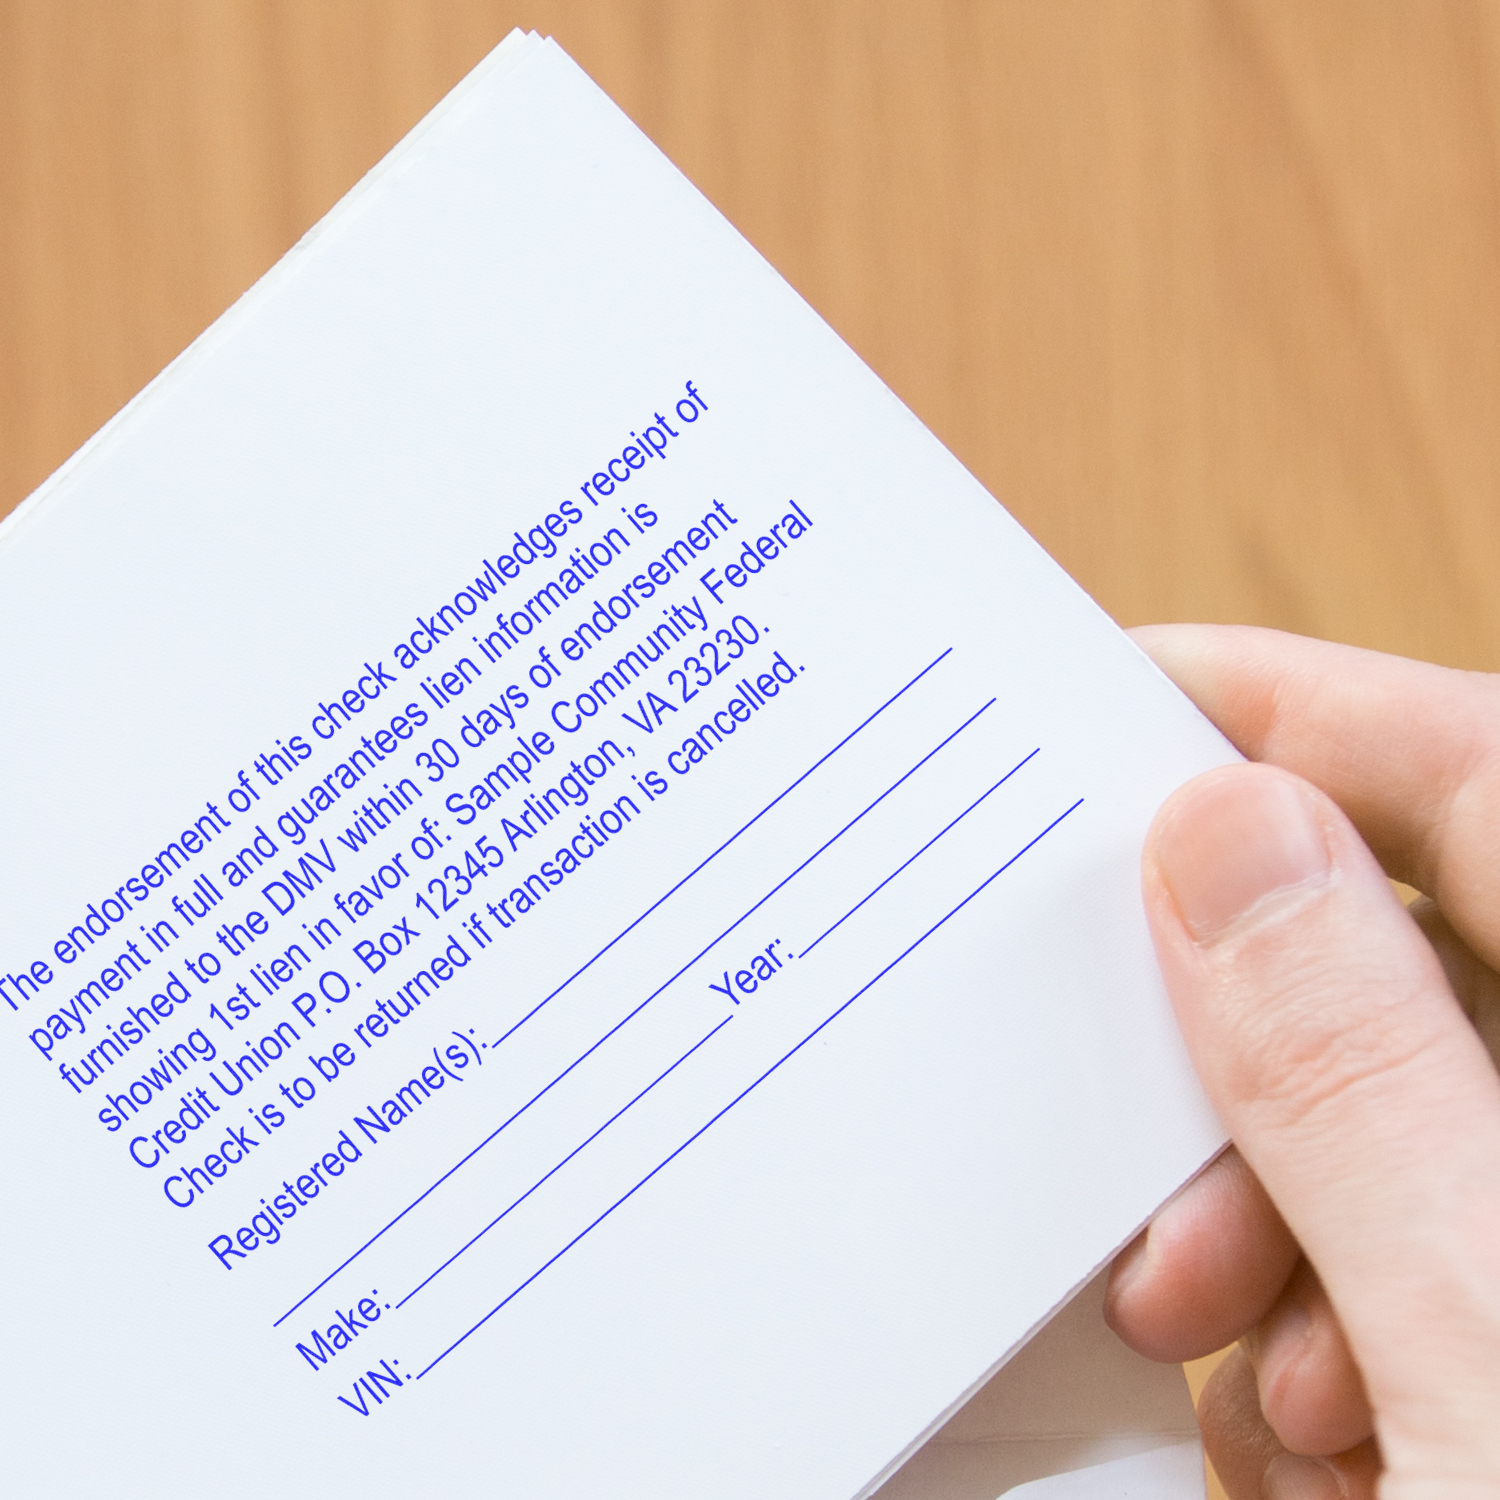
<point>1289,1477</point>
<point>1235,840</point>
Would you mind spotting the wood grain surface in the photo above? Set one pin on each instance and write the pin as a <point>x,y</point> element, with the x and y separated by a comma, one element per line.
<point>1206,291</point>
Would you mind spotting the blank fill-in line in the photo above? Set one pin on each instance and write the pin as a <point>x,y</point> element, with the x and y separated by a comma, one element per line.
<point>569,1157</point>
<point>920,852</point>
<point>463,1160</point>
<point>432,1187</point>
<point>624,931</point>
<point>660,1166</point>
<point>828,845</point>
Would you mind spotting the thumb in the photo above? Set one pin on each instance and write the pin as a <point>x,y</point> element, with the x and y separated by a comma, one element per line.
<point>1325,1033</point>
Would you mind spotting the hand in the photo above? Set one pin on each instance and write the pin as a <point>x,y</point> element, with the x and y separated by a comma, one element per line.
<point>1351,1239</point>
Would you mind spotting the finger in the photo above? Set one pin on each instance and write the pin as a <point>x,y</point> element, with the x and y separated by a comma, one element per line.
<point>1211,1264</point>
<point>1408,750</point>
<point>1311,1391</point>
<point>1250,1460</point>
<point>1326,1035</point>
<point>1476,985</point>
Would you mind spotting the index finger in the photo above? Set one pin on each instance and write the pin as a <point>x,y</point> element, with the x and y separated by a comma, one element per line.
<point>1409,751</point>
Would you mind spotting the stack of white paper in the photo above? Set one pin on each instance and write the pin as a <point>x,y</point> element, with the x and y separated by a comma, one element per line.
<point>569,917</point>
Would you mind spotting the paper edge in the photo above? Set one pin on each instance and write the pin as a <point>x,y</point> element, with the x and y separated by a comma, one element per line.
<point>513,50</point>
<point>948,1412</point>
<point>1183,1459</point>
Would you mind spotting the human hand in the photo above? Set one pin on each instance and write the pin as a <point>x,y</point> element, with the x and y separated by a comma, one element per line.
<point>1351,1241</point>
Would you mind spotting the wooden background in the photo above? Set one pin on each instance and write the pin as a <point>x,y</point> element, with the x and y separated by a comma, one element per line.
<point>1207,291</point>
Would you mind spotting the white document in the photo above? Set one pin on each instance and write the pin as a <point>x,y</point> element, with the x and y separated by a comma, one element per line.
<point>569,916</point>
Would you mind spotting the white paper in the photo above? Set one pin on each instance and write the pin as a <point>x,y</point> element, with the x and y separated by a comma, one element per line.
<point>1074,1415</point>
<point>605,1228</point>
